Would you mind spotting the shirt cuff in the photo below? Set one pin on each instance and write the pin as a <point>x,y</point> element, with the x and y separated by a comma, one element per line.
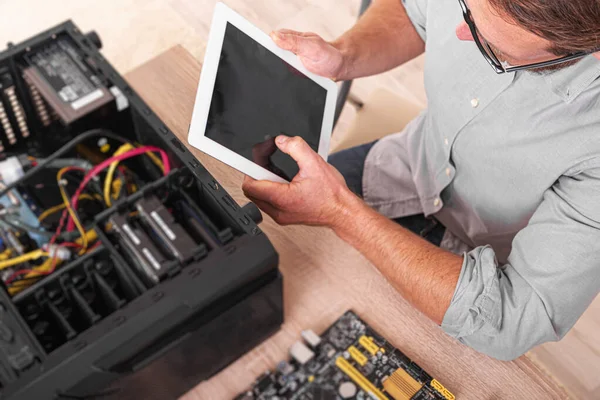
<point>477,300</point>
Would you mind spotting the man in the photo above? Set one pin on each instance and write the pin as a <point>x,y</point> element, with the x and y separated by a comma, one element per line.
<point>506,160</point>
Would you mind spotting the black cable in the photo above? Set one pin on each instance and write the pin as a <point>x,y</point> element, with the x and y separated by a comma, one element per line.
<point>92,187</point>
<point>21,226</point>
<point>99,395</point>
<point>67,147</point>
<point>66,236</point>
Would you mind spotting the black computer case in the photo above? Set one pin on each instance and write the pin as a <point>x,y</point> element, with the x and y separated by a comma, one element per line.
<point>147,340</point>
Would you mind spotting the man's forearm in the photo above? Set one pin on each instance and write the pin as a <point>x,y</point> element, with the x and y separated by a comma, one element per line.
<point>424,274</point>
<point>382,39</point>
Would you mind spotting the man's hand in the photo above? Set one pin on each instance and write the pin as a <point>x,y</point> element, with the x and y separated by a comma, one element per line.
<point>423,273</point>
<point>318,195</point>
<point>317,55</point>
<point>383,38</point>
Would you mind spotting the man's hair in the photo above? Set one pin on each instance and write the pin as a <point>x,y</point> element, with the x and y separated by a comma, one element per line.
<point>570,25</point>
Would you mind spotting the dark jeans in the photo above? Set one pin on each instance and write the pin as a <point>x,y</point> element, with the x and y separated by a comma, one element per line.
<point>351,163</point>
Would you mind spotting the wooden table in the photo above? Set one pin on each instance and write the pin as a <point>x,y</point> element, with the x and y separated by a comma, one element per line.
<point>324,277</point>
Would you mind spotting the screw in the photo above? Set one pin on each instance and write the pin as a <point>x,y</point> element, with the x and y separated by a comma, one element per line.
<point>157,296</point>
<point>79,344</point>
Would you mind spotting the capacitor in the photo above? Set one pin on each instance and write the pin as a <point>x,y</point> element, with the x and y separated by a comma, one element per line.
<point>347,390</point>
<point>285,368</point>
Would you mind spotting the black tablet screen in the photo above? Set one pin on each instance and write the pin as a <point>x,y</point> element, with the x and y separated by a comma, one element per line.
<point>258,96</point>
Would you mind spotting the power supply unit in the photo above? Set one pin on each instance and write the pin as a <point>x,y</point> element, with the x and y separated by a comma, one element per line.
<point>126,270</point>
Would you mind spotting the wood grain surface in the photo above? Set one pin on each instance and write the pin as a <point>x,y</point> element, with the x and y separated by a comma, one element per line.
<point>323,277</point>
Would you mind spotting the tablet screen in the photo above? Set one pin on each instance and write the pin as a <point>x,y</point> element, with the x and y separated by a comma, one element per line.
<point>258,96</point>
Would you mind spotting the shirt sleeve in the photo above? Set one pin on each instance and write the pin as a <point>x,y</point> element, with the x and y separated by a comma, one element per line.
<point>551,276</point>
<point>417,12</point>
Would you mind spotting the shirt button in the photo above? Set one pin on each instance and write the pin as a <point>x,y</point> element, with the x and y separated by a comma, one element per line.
<point>448,171</point>
<point>446,141</point>
<point>475,103</point>
<point>436,202</point>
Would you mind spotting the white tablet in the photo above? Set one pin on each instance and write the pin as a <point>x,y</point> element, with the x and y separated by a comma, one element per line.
<point>250,92</point>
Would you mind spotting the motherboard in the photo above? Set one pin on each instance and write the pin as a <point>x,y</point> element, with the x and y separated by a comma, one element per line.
<point>348,361</point>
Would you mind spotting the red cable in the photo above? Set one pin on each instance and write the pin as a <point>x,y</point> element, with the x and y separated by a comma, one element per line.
<point>20,272</point>
<point>74,200</point>
<point>106,163</point>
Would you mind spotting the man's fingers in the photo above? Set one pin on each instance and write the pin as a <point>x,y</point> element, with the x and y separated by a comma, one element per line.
<point>263,190</point>
<point>296,148</point>
<point>293,32</point>
<point>287,41</point>
<point>251,188</point>
<point>272,211</point>
<point>303,44</point>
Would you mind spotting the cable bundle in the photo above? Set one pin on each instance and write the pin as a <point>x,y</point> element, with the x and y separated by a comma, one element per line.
<point>59,248</point>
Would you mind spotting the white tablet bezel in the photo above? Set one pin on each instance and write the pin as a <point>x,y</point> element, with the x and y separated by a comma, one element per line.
<point>196,136</point>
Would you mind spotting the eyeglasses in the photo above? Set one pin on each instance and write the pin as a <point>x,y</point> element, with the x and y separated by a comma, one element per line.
<point>492,59</point>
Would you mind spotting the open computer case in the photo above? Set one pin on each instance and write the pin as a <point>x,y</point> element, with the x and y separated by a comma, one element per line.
<point>174,280</point>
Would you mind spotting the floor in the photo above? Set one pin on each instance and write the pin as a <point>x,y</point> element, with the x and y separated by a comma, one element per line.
<point>133,31</point>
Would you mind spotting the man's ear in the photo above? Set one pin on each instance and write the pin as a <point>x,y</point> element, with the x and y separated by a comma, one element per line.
<point>597,55</point>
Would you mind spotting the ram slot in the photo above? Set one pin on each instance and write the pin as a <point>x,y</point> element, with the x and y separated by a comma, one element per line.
<point>359,379</point>
<point>6,125</point>
<point>17,110</point>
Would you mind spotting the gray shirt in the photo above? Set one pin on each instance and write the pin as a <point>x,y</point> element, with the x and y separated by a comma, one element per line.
<point>510,164</point>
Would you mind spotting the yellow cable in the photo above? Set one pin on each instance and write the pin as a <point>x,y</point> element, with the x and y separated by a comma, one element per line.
<point>33,255</point>
<point>90,236</point>
<point>154,158</point>
<point>40,270</point>
<point>5,255</point>
<point>62,206</point>
<point>18,286</point>
<point>70,209</point>
<point>111,172</point>
<point>51,211</point>
<point>113,166</point>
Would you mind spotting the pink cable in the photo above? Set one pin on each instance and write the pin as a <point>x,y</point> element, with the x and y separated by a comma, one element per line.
<point>106,163</point>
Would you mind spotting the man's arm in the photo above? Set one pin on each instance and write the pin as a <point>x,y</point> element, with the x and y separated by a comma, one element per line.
<point>424,274</point>
<point>382,39</point>
<point>503,310</point>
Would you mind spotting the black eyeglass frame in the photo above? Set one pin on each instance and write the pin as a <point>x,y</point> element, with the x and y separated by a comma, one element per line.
<point>493,59</point>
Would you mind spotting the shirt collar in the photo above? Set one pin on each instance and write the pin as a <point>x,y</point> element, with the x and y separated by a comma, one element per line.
<point>570,82</point>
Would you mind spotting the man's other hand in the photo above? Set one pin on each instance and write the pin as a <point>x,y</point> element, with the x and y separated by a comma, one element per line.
<point>317,55</point>
<point>318,195</point>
